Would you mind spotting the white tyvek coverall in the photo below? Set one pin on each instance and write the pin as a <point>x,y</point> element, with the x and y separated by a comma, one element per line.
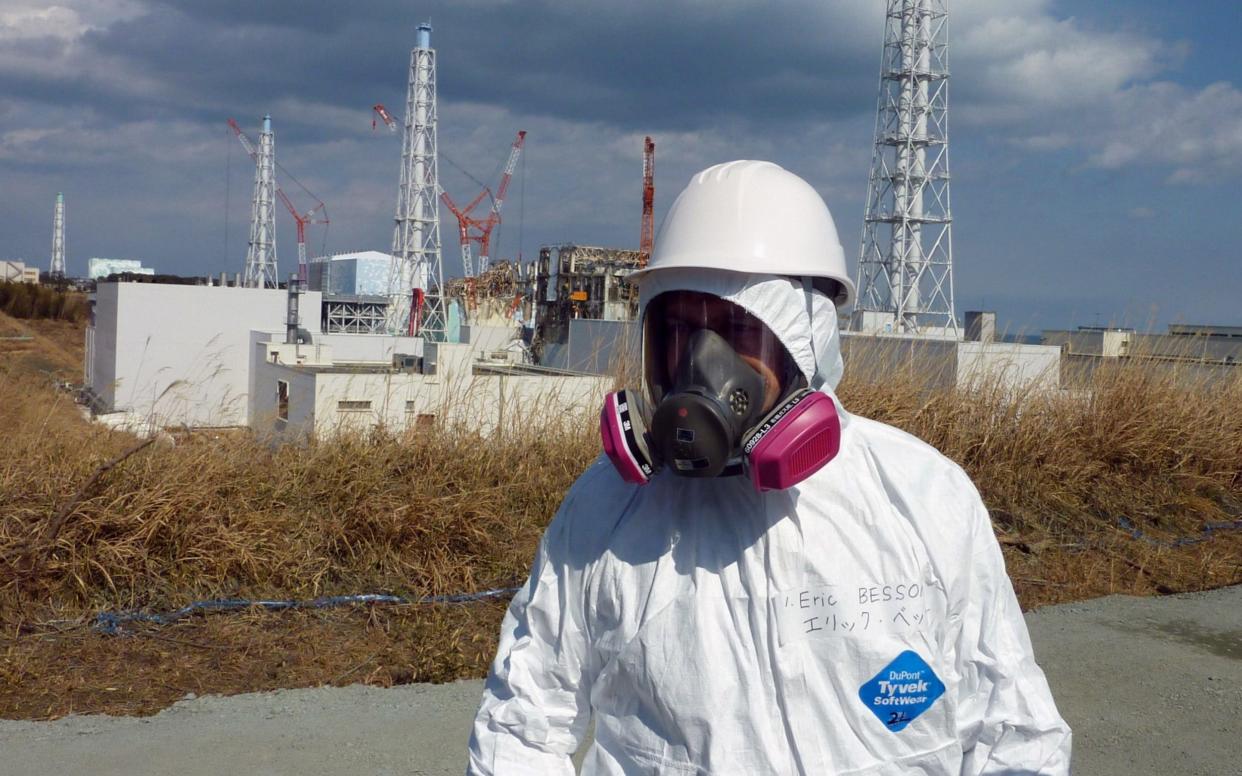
<point>715,630</point>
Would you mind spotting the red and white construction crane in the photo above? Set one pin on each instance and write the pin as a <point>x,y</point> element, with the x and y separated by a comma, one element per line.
<point>479,230</point>
<point>646,238</point>
<point>301,219</point>
<point>384,116</point>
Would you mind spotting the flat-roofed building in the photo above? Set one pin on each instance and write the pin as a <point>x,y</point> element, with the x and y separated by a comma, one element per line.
<point>304,390</point>
<point>177,354</point>
<point>18,272</point>
<point>99,268</point>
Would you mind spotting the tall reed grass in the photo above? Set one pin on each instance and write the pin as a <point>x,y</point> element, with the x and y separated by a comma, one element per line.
<point>1156,444</point>
<point>442,510</point>
<point>26,300</point>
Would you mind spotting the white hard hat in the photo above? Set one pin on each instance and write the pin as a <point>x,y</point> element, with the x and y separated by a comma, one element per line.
<point>753,217</point>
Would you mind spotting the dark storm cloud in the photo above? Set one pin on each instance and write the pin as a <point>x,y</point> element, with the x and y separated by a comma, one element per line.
<point>639,66</point>
<point>121,104</point>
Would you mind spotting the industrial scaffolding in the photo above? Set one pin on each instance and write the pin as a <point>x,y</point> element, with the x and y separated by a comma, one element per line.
<point>905,266</point>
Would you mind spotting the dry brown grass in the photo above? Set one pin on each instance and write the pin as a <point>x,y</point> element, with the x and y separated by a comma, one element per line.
<point>434,512</point>
<point>1159,446</point>
<point>53,302</point>
<point>229,515</point>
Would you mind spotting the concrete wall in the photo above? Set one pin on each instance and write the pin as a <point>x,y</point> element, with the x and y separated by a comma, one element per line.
<point>263,413</point>
<point>181,354</point>
<point>933,360</point>
<point>12,271</point>
<point>486,339</point>
<point>370,348</point>
<point>948,363</point>
<point>1018,366</point>
<point>1193,357</point>
<point>594,345</point>
<point>102,335</point>
<point>1078,371</point>
<point>332,400</point>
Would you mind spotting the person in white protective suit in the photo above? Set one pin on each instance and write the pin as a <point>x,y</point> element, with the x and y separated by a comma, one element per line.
<point>751,580</point>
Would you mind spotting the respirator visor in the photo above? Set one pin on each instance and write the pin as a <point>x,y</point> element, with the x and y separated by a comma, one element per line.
<point>713,370</point>
<point>673,319</point>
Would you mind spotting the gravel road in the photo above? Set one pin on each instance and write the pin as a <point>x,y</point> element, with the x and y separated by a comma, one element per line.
<point>1150,686</point>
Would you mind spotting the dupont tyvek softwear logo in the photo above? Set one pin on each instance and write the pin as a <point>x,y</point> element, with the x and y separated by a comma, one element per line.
<point>904,689</point>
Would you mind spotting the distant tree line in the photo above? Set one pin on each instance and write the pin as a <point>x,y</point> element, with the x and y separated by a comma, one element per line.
<point>26,300</point>
<point>170,280</point>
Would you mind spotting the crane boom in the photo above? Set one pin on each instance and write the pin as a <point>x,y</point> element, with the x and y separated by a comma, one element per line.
<point>493,218</point>
<point>245,141</point>
<point>510,166</point>
<point>384,116</point>
<point>463,229</point>
<point>483,226</point>
<point>646,237</point>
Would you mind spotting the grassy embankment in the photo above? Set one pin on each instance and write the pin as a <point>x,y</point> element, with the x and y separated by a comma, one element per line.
<point>442,511</point>
<point>40,302</point>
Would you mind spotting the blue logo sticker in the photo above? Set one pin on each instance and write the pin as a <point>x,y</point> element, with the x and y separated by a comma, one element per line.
<point>904,689</point>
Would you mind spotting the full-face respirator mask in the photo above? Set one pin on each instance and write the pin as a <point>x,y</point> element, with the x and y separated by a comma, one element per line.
<point>720,406</point>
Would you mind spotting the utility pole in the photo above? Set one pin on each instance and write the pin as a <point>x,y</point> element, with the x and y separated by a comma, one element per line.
<point>905,266</point>
<point>416,279</point>
<point>261,257</point>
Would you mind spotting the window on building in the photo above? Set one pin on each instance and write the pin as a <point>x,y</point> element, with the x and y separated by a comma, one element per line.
<point>282,399</point>
<point>353,406</point>
<point>425,419</point>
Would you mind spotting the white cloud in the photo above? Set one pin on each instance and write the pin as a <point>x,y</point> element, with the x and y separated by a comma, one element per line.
<point>1048,84</point>
<point>1041,62</point>
<point>1196,132</point>
<point>67,21</point>
<point>35,21</point>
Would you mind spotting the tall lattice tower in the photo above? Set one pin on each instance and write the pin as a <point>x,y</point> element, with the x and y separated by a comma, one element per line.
<point>905,268</point>
<point>417,277</point>
<point>261,269</point>
<point>58,238</point>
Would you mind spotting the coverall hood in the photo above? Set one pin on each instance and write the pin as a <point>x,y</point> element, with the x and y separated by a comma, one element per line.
<point>811,336</point>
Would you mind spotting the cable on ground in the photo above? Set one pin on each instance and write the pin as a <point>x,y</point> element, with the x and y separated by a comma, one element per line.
<point>1209,530</point>
<point>112,623</point>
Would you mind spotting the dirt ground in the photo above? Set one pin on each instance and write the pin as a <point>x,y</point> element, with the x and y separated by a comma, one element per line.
<point>75,670</point>
<point>55,348</point>
<point>1149,686</point>
<point>55,669</point>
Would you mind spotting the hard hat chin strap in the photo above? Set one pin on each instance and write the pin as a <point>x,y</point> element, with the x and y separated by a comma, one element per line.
<point>817,381</point>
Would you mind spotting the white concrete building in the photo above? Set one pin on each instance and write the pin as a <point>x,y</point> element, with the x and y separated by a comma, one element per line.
<point>180,355</point>
<point>362,273</point>
<point>208,356</point>
<point>1019,366</point>
<point>98,268</point>
<point>301,390</point>
<point>947,363</point>
<point>18,272</point>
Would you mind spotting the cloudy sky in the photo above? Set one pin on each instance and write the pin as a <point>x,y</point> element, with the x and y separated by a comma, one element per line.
<point>1094,153</point>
